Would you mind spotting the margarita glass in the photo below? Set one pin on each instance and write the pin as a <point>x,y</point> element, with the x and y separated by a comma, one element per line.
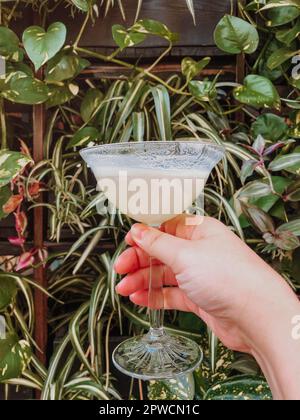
<point>153,182</point>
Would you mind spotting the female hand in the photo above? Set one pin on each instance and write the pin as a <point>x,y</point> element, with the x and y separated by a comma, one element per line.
<point>219,278</point>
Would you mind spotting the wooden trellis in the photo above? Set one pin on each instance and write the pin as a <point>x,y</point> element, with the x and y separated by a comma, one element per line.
<point>195,42</point>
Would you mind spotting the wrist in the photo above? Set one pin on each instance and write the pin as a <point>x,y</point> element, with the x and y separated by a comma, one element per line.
<point>270,338</point>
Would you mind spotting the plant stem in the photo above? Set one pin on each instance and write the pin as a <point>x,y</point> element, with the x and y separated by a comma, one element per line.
<point>141,70</point>
<point>3,126</point>
<point>82,29</point>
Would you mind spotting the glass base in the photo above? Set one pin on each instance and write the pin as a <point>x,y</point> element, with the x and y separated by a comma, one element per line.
<point>157,356</point>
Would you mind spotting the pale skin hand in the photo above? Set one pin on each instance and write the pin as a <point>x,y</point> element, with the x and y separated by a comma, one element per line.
<point>219,278</point>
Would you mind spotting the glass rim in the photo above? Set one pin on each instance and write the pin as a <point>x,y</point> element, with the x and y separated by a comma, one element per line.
<point>133,144</point>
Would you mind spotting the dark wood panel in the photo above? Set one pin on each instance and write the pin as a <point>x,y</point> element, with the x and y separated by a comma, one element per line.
<point>173,13</point>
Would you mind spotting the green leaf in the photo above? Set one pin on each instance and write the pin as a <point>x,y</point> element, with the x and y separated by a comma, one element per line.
<point>83,136</point>
<point>291,162</point>
<point>279,57</point>
<point>59,95</point>
<point>182,388</point>
<point>293,227</point>
<point>258,92</point>
<point>9,43</point>
<point>90,104</point>
<point>203,90</point>
<point>270,126</point>
<point>287,36</point>
<point>263,68</point>
<point>191,68</point>
<point>5,194</point>
<point>279,16</point>
<point>24,89</point>
<point>240,388</point>
<point>255,189</point>
<point>126,38</point>
<point>130,100</point>
<point>65,67</point>
<point>293,191</point>
<point>163,111</point>
<point>83,5</point>
<point>41,46</point>
<point>8,291</point>
<point>153,27</point>
<point>258,218</point>
<point>138,122</point>
<point>15,356</point>
<point>234,36</point>
<point>11,164</point>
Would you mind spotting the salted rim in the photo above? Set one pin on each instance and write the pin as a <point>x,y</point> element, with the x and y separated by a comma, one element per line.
<point>144,143</point>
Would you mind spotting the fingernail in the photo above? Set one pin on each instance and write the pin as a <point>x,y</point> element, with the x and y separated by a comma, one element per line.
<point>138,232</point>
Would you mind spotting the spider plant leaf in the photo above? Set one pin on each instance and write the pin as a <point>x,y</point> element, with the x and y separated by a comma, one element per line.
<point>190,5</point>
<point>129,102</point>
<point>138,122</point>
<point>163,111</point>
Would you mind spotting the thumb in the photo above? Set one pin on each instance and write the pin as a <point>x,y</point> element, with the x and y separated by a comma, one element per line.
<point>166,248</point>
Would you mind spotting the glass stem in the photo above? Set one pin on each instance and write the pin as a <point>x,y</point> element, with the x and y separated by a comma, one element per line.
<point>155,300</point>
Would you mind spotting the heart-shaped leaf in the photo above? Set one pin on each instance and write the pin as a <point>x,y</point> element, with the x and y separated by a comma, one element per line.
<point>270,126</point>
<point>9,42</point>
<point>65,67</point>
<point>203,90</point>
<point>15,356</point>
<point>126,38</point>
<point>41,46</point>
<point>84,136</point>
<point>258,92</point>
<point>234,35</point>
<point>24,89</point>
<point>59,95</point>
<point>154,27</point>
<point>90,104</point>
<point>191,68</point>
<point>11,163</point>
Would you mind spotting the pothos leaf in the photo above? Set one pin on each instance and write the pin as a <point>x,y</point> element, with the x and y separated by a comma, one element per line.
<point>191,68</point>
<point>15,355</point>
<point>258,92</point>
<point>182,388</point>
<point>11,164</point>
<point>8,291</point>
<point>234,35</point>
<point>40,45</point>
<point>240,388</point>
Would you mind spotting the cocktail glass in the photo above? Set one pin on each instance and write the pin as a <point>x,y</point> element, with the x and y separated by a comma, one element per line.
<point>184,166</point>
